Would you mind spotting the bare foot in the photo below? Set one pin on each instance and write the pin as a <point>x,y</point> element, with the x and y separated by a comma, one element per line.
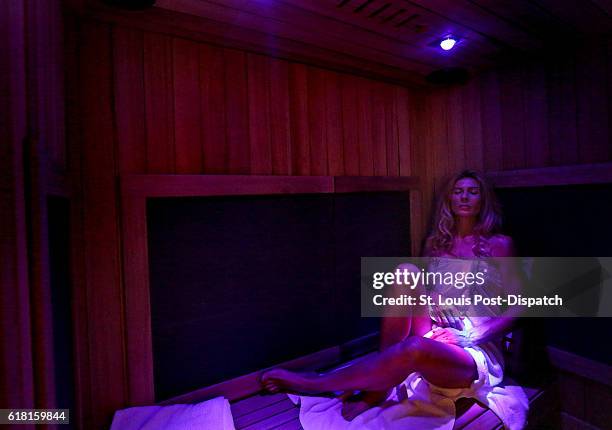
<point>277,380</point>
<point>352,407</point>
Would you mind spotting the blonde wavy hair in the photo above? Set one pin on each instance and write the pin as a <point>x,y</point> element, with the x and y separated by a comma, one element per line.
<point>440,240</point>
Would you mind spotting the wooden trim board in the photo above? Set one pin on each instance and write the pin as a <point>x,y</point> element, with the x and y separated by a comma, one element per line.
<point>550,176</point>
<point>581,366</point>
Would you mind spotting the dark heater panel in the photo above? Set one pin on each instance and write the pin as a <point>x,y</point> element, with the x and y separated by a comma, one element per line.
<point>571,220</point>
<point>245,282</point>
<point>564,221</point>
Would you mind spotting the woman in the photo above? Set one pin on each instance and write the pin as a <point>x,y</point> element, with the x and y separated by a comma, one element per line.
<point>448,350</point>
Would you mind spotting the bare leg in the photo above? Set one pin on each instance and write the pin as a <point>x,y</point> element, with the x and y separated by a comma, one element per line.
<point>394,329</point>
<point>441,364</point>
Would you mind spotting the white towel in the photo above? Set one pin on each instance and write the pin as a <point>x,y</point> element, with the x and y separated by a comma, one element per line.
<point>212,414</point>
<point>417,404</point>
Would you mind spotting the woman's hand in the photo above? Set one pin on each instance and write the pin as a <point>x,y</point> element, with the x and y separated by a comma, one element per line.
<point>453,336</point>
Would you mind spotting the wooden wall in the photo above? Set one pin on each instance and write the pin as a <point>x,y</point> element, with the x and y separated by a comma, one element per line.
<point>179,106</point>
<point>550,111</point>
<point>17,375</point>
<point>141,102</point>
<point>32,166</point>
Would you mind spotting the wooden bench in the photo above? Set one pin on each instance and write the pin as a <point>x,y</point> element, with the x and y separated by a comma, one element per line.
<point>267,412</point>
<point>252,410</point>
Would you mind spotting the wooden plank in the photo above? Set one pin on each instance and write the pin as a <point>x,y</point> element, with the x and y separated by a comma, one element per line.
<point>261,415</point>
<point>424,119</point>
<point>38,148</point>
<point>300,130</point>
<point>588,18</point>
<point>334,133</point>
<point>350,119</point>
<point>404,125</point>
<point>205,30</point>
<point>487,420</point>
<point>317,121</point>
<point>564,175</point>
<point>592,104</point>
<point>491,122</point>
<point>57,153</point>
<point>537,144</point>
<point>419,200</point>
<point>294,424</point>
<point>259,114</point>
<point>479,417</point>
<point>482,22</point>
<point>379,129</point>
<point>280,126</point>
<point>108,377</point>
<point>187,134</point>
<point>455,131</point>
<point>236,112</point>
<point>129,97</point>
<point>274,421</point>
<point>439,143</point>
<point>578,365</point>
<point>529,16</point>
<point>472,132</point>
<point>568,421</point>
<point>159,103</point>
<point>137,300</point>
<point>212,96</point>
<point>17,384</point>
<point>513,123</point>
<point>598,404</point>
<point>285,22</point>
<point>256,402</point>
<point>366,22</point>
<point>364,129</point>
<point>468,416</point>
<point>349,184</point>
<point>391,131</point>
<point>562,112</point>
<point>215,185</point>
<point>82,368</point>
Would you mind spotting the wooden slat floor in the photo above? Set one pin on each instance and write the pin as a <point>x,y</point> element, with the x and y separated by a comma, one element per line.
<point>267,412</point>
<point>264,412</point>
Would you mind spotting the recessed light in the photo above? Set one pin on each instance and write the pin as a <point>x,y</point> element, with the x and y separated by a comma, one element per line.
<point>448,43</point>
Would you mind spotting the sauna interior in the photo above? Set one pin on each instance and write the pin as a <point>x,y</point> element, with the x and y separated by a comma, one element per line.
<point>187,188</point>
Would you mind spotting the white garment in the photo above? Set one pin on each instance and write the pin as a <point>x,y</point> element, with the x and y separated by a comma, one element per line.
<point>210,414</point>
<point>417,404</point>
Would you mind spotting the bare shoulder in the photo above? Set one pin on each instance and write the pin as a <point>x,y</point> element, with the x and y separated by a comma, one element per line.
<point>502,246</point>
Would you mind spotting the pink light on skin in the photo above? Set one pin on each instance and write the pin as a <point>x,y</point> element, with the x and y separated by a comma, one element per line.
<point>465,203</point>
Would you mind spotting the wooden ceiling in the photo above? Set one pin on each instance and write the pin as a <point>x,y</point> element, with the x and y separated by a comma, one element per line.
<point>393,39</point>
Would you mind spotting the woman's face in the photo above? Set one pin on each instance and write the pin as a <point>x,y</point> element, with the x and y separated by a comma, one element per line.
<point>466,198</point>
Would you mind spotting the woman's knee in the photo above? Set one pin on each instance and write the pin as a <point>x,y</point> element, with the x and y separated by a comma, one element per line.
<point>412,349</point>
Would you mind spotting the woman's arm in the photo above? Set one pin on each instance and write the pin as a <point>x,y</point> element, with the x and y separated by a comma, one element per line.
<point>512,279</point>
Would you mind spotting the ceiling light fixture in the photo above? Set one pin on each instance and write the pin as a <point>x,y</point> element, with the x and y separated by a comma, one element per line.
<point>448,43</point>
